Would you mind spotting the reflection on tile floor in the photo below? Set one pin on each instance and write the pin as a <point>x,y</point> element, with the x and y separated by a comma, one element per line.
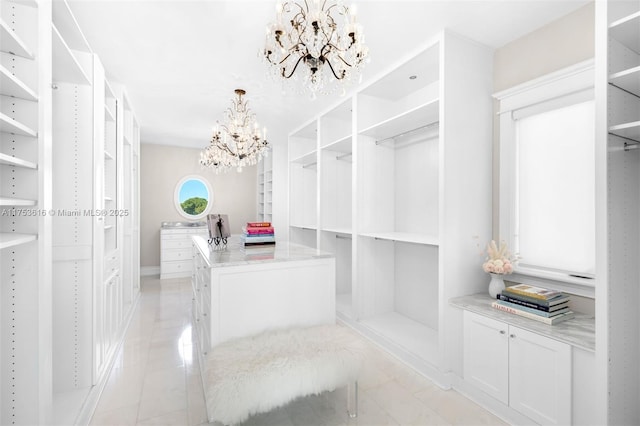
<point>156,380</point>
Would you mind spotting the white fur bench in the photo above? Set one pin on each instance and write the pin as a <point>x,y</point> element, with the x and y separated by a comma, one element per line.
<point>256,374</point>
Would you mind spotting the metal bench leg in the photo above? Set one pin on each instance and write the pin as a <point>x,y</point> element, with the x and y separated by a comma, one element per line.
<point>352,399</point>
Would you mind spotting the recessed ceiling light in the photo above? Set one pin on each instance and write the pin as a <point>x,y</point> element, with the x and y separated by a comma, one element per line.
<point>413,77</point>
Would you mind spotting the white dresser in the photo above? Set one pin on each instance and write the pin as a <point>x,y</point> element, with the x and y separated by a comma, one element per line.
<point>176,254</point>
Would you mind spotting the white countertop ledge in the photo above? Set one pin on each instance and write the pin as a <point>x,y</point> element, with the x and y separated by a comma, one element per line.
<point>235,254</point>
<point>579,331</point>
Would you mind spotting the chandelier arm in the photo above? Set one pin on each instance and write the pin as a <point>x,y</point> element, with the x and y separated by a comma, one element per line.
<point>293,70</point>
<point>284,59</point>
<point>333,71</point>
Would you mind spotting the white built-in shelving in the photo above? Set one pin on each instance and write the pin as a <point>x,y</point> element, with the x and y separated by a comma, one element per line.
<point>265,189</point>
<point>61,177</point>
<point>618,156</point>
<point>303,185</point>
<point>25,231</point>
<point>395,181</point>
<point>129,134</point>
<point>74,233</point>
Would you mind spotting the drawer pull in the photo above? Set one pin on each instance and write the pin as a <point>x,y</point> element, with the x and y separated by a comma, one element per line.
<point>512,336</point>
<point>502,332</point>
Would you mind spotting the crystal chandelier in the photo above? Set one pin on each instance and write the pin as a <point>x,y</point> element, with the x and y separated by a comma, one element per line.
<point>312,42</point>
<point>237,143</point>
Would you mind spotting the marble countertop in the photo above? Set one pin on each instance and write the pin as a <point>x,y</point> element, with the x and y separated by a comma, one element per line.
<point>579,331</point>
<point>235,254</point>
<point>187,225</point>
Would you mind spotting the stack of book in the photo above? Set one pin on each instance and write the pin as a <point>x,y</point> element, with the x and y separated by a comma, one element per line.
<point>258,234</point>
<point>536,303</point>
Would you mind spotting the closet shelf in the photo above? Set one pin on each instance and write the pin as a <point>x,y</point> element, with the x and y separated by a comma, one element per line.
<point>627,130</point>
<point>11,43</point>
<point>415,337</point>
<point>403,237</point>
<point>17,202</point>
<point>628,80</point>
<point>66,67</point>
<point>310,227</point>
<point>340,145</point>
<point>13,86</point>
<point>63,18</point>
<point>108,114</point>
<point>108,156</point>
<point>627,31</point>
<point>9,125</point>
<point>420,116</point>
<point>9,239</point>
<point>14,161</point>
<point>306,159</point>
<point>337,230</point>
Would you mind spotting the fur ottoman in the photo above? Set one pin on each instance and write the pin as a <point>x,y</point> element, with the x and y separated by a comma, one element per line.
<point>256,374</point>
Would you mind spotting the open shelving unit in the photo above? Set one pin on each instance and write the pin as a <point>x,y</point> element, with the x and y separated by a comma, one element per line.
<point>60,160</point>
<point>398,191</point>
<point>74,232</point>
<point>617,293</point>
<point>303,189</point>
<point>379,180</point>
<point>25,273</point>
<point>265,189</point>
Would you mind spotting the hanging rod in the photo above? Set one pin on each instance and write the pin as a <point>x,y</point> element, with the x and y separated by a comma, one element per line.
<point>340,157</point>
<point>309,164</point>
<point>426,126</point>
<point>631,146</point>
<point>342,237</point>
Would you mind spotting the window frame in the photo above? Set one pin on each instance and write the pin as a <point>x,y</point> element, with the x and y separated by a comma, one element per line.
<point>565,82</point>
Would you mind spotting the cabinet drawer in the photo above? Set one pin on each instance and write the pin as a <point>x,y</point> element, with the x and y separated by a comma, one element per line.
<point>177,267</point>
<point>183,232</point>
<point>179,255</point>
<point>182,243</point>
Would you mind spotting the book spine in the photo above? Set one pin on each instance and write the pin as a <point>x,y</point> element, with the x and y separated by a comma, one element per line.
<point>525,293</point>
<point>521,302</point>
<point>258,224</point>
<point>263,243</point>
<point>533,310</point>
<point>259,239</point>
<point>524,314</point>
<point>259,230</point>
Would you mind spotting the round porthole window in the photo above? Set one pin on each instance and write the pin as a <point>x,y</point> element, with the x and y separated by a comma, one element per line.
<point>193,197</point>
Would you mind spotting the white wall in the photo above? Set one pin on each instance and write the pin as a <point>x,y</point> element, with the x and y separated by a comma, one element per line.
<point>161,167</point>
<point>563,42</point>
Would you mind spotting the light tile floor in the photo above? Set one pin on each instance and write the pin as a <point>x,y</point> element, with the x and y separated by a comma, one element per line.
<point>156,380</point>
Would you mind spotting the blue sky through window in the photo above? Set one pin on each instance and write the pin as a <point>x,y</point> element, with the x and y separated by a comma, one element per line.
<point>193,188</point>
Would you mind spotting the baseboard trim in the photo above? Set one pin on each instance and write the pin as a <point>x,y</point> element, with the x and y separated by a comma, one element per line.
<point>146,271</point>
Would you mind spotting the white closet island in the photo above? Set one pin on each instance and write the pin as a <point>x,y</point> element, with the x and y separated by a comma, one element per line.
<point>240,291</point>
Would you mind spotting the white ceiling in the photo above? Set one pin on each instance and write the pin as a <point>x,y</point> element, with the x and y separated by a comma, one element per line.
<point>181,60</point>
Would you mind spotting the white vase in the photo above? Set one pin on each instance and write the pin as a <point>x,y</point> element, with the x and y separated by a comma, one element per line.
<point>496,285</point>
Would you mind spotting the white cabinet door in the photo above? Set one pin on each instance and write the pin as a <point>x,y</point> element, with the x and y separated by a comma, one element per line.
<point>540,377</point>
<point>528,372</point>
<point>486,355</point>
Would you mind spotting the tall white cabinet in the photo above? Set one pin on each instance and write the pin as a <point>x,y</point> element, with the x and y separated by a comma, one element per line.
<point>265,189</point>
<point>25,228</point>
<point>396,182</point>
<point>66,288</point>
<point>618,156</point>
